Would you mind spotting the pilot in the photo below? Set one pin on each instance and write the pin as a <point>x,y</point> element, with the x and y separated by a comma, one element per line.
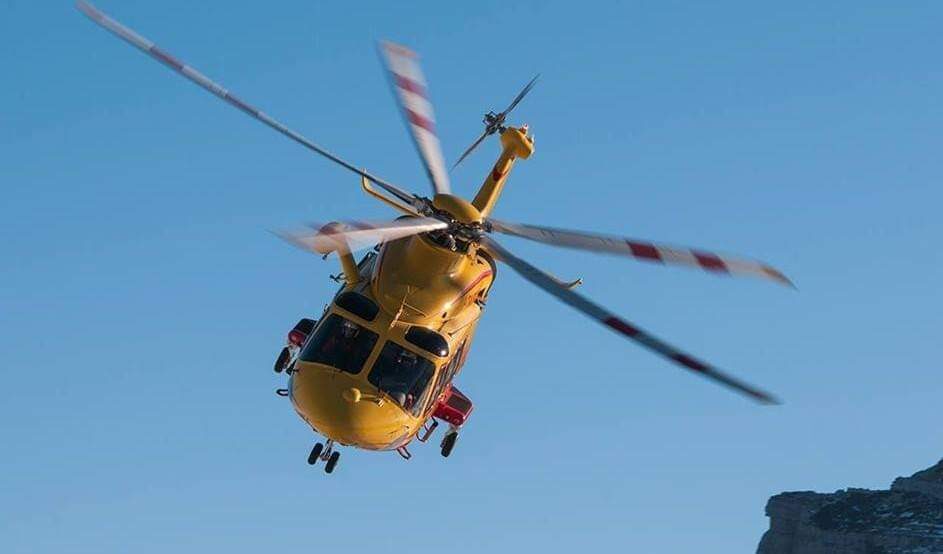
<point>348,330</point>
<point>406,363</point>
<point>340,346</point>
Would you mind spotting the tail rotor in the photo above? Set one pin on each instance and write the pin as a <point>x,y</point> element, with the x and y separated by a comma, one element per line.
<point>494,122</point>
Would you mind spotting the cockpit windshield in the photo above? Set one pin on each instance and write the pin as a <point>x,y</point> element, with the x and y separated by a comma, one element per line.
<point>340,343</point>
<point>402,374</point>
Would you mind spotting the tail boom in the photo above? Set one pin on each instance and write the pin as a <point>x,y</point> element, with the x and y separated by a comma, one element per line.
<point>515,143</point>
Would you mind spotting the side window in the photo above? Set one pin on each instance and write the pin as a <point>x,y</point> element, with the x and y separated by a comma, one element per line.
<point>428,340</point>
<point>447,373</point>
<point>457,361</point>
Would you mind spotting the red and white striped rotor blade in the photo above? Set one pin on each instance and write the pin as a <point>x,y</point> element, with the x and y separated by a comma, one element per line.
<point>412,95</point>
<point>617,324</point>
<point>720,264</point>
<point>205,82</point>
<point>356,235</point>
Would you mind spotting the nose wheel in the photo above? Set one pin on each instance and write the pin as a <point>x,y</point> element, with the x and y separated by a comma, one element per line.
<point>324,453</point>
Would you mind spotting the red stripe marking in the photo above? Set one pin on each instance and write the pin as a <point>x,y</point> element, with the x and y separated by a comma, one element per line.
<point>644,251</point>
<point>399,50</point>
<point>621,326</point>
<point>360,226</point>
<point>689,362</point>
<point>710,262</point>
<point>420,121</point>
<point>242,105</point>
<point>481,277</point>
<point>776,275</point>
<point>406,83</point>
<point>166,58</point>
<point>334,229</point>
<point>496,174</point>
<point>330,229</point>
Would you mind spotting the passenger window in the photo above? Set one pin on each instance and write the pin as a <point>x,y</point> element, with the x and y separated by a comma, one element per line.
<point>340,343</point>
<point>448,371</point>
<point>402,374</point>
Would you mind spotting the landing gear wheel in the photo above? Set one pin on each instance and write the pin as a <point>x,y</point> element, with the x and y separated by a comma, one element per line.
<point>331,462</point>
<point>448,443</point>
<point>315,454</point>
<point>282,360</point>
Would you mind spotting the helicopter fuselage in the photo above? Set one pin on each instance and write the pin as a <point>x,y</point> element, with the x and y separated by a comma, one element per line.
<point>414,295</point>
<point>416,291</point>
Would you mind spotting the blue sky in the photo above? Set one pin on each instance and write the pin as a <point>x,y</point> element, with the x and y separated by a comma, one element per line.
<point>142,301</point>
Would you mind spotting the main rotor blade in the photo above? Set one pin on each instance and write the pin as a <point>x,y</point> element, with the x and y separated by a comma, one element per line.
<point>642,250</point>
<point>356,235</point>
<point>472,147</point>
<point>203,81</point>
<point>614,322</point>
<point>520,96</point>
<point>412,95</point>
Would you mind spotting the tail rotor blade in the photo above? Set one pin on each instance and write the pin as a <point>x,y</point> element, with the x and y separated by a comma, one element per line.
<point>720,264</point>
<point>617,324</point>
<point>495,122</point>
<point>520,96</point>
<point>471,148</point>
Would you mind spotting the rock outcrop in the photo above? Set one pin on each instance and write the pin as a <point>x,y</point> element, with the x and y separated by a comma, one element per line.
<point>907,519</point>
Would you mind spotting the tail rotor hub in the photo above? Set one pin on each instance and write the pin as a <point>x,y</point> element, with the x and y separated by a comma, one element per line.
<point>494,122</point>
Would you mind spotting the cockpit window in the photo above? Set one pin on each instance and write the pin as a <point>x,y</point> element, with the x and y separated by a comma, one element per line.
<point>340,343</point>
<point>403,375</point>
<point>358,304</point>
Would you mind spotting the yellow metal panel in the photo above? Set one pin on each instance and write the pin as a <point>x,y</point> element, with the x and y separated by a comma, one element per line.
<point>515,144</point>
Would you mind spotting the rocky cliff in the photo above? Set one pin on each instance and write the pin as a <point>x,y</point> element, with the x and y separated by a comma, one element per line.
<point>907,519</point>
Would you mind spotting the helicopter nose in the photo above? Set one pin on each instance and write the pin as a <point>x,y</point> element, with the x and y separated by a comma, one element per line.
<point>346,409</point>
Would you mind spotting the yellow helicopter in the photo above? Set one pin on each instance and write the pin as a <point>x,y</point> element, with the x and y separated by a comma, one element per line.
<point>377,369</point>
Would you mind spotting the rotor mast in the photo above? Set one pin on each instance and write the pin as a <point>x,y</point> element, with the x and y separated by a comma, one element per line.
<point>515,143</point>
